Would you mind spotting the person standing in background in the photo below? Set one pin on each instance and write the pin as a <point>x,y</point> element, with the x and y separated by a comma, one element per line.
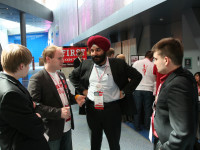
<point>143,95</point>
<point>121,56</point>
<point>53,98</point>
<point>197,78</point>
<point>21,128</point>
<point>110,53</point>
<point>78,60</point>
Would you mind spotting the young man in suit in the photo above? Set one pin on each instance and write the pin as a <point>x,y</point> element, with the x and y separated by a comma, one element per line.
<point>49,89</point>
<point>79,59</point>
<point>21,128</point>
<point>175,118</point>
<point>104,81</point>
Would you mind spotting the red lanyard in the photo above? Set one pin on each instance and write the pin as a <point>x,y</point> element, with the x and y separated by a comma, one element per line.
<point>58,83</point>
<point>99,78</point>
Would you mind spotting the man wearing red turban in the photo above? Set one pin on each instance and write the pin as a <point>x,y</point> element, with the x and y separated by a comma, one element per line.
<point>105,83</point>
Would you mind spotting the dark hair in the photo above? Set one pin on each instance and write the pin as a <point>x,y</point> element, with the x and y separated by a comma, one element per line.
<point>149,54</point>
<point>197,73</point>
<point>79,52</point>
<point>171,48</point>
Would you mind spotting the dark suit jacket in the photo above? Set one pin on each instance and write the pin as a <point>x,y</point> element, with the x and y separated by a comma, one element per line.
<point>20,127</point>
<point>176,111</point>
<point>76,62</point>
<point>49,104</point>
<point>121,72</point>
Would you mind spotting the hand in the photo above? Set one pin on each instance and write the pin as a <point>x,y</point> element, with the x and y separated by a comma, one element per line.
<point>65,112</point>
<point>85,92</point>
<point>34,105</point>
<point>121,95</point>
<point>38,115</point>
<point>80,100</point>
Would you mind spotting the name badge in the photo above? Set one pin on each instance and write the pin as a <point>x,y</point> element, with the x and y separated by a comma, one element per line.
<point>98,100</point>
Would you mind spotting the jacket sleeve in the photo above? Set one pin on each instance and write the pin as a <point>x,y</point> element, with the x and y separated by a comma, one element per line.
<point>17,111</point>
<point>75,78</point>
<point>181,107</point>
<point>36,90</point>
<point>134,77</point>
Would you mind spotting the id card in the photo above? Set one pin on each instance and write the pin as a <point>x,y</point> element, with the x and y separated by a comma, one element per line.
<point>98,100</point>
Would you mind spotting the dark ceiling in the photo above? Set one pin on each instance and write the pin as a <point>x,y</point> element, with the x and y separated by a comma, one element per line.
<point>164,13</point>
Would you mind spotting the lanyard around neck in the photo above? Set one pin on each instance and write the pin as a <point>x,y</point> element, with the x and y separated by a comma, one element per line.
<point>99,78</point>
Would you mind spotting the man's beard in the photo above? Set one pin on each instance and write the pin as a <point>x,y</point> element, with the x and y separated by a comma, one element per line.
<point>102,58</point>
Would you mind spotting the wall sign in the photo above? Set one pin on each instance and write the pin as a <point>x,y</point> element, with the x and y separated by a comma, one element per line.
<point>188,63</point>
<point>70,53</point>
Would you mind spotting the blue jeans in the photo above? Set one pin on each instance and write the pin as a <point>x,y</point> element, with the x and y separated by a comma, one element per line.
<point>145,99</point>
<point>64,143</point>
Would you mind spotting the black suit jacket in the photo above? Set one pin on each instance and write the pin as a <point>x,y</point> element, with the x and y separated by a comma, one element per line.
<point>76,62</point>
<point>176,111</point>
<point>20,127</point>
<point>121,72</point>
<point>49,104</point>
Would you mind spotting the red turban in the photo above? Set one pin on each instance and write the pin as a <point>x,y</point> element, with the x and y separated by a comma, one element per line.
<point>100,41</point>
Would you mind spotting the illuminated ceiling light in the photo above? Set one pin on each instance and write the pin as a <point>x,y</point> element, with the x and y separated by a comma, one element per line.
<point>126,2</point>
<point>80,3</point>
<point>161,19</point>
<point>51,4</point>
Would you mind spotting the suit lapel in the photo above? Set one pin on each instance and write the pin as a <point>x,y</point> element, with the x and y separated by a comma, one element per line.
<point>170,77</point>
<point>51,84</point>
<point>113,70</point>
<point>90,69</point>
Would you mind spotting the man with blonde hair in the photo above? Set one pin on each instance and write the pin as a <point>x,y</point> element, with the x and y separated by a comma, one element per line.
<point>20,127</point>
<point>49,89</point>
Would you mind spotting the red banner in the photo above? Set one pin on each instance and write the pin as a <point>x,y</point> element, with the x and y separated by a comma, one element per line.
<point>70,53</point>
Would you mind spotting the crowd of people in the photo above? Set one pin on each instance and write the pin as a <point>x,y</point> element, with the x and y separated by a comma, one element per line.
<point>107,88</point>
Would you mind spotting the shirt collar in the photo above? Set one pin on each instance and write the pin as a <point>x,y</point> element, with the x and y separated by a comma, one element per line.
<point>163,78</point>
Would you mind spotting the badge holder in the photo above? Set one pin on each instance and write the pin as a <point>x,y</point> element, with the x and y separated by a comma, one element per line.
<point>98,100</point>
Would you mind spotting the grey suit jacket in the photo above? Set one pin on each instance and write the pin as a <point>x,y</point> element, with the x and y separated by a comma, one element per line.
<point>176,111</point>
<point>49,104</point>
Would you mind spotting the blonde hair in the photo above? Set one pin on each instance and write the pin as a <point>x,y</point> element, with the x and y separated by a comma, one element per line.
<point>49,51</point>
<point>13,55</point>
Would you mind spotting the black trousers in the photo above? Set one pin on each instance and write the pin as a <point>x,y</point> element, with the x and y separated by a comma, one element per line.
<point>107,120</point>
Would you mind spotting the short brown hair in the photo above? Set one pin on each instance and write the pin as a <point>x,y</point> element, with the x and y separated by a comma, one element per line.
<point>13,55</point>
<point>149,54</point>
<point>49,51</point>
<point>171,48</point>
<point>110,52</point>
